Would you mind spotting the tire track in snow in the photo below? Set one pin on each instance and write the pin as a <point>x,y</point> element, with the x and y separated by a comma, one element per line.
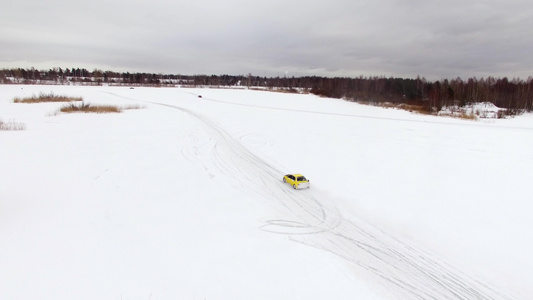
<point>235,161</point>
<point>435,121</point>
<point>406,272</point>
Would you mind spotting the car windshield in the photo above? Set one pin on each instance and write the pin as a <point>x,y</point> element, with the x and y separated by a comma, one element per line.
<point>301,178</point>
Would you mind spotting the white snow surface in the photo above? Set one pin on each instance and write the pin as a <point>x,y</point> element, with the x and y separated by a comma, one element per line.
<point>184,199</point>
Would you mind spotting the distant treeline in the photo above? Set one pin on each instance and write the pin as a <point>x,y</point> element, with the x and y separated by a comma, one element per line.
<point>515,95</point>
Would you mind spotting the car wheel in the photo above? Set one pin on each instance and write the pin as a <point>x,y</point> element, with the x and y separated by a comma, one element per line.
<point>294,186</point>
<point>284,180</point>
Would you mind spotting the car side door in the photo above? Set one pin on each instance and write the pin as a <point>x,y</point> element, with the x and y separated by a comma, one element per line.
<point>292,179</point>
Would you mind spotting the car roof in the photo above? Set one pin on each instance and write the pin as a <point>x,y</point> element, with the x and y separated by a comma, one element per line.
<point>295,175</point>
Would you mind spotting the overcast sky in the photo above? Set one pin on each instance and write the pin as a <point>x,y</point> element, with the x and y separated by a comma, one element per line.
<point>435,39</point>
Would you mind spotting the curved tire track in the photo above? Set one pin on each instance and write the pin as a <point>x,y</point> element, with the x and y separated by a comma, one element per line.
<point>406,272</point>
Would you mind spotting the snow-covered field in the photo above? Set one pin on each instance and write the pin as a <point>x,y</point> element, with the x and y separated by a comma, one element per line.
<point>183,199</point>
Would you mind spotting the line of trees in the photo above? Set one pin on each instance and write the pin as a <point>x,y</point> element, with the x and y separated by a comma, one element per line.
<point>515,94</point>
<point>64,76</point>
<point>512,94</point>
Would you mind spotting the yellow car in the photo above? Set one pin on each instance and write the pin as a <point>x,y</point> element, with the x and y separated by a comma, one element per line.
<point>298,181</point>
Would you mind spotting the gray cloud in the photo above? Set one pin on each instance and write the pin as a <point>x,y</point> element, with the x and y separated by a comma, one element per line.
<point>435,39</point>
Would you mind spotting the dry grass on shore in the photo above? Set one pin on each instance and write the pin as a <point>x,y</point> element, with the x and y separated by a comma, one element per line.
<point>43,97</point>
<point>95,108</point>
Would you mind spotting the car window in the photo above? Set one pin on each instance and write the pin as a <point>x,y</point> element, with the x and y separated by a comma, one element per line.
<point>301,178</point>
<point>291,177</point>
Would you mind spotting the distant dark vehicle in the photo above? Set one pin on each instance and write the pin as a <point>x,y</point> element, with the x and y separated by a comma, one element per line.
<point>199,96</point>
<point>131,88</point>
